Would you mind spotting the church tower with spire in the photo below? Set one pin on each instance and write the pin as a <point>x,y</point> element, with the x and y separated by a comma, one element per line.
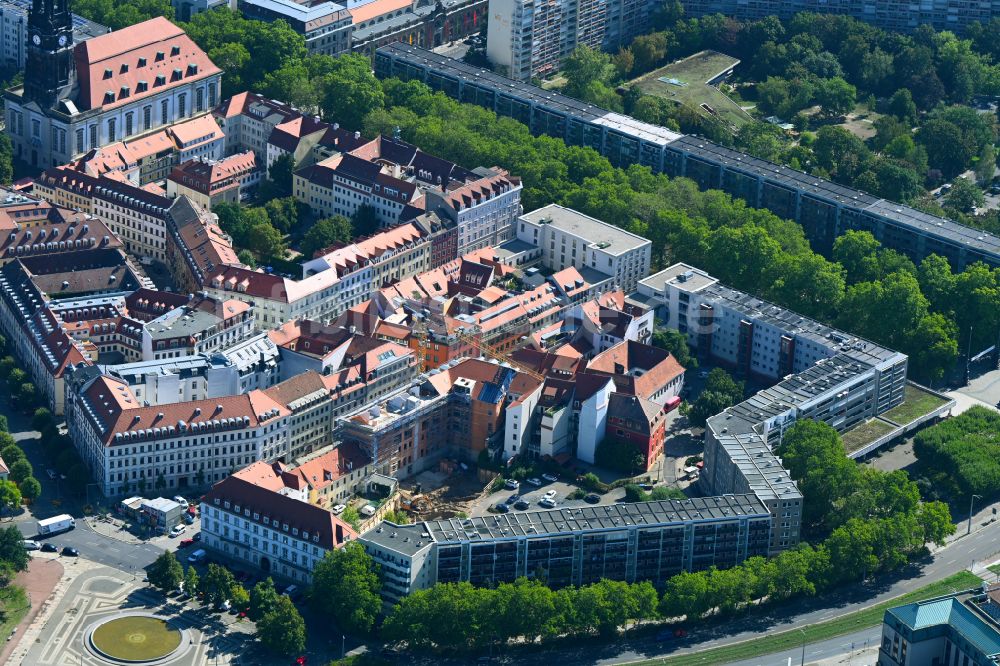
<point>49,70</point>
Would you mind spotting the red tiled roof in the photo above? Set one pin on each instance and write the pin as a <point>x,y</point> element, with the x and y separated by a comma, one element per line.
<point>282,510</point>
<point>109,63</point>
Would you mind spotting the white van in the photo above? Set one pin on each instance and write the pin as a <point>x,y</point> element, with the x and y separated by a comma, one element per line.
<point>197,556</point>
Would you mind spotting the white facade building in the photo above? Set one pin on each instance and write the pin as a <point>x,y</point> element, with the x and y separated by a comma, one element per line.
<point>568,238</point>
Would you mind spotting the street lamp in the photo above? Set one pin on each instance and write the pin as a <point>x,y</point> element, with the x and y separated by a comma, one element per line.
<point>971,500</point>
<point>802,661</point>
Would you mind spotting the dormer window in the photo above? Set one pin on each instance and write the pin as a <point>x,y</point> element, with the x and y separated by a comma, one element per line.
<point>141,63</point>
<point>175,50</point>
<point>124,68</point>
<point>192,69</point>
<point>160,55</point>
<point>124,92</point>
<point>108,73</point>
<point>160,80</point>
<point>109,97</point>
<point>178,74</point>
<point>141,86</point>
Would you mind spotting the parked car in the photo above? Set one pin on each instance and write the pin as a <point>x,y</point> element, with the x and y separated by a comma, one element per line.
<point>368,510</point>
<point>180,500</point>
<point>70,551</point>
<point>592,498</point>
<point>535,481</point>
<point>197,536</point>
<point>513,498</point>
<point>292,592</point>
<point>547,502</point>
<point>338,509</point>
<point>197,556</point>
<point>31,545</point>
<point>703,374</point>
<point>511,484</point>
<point>551,478</point>
<point>178,530</point>
<point>185,543</point>
<point>549,494</point>
<point>226,605</point>
<point>501,508</point>
<point>49,548</point>
<point>521,505</point>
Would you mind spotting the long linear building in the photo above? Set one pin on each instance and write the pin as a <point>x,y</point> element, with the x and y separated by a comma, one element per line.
<point>898,15</point>
<point>826,375</point>
<point>823,208</point>
<point>630,542</point>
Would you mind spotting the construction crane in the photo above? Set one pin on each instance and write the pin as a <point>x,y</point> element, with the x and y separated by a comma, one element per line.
<point>495,353</point>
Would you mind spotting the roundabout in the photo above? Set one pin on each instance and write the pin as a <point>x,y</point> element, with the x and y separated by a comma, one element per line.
<point>136,638</point>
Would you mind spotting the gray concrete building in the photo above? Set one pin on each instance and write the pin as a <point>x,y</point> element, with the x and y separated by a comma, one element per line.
<point>899,15</point>
<point>630,542</point>
<point>824,209</point>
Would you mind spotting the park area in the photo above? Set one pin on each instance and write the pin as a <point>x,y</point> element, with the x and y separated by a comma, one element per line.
<point>691,82</point>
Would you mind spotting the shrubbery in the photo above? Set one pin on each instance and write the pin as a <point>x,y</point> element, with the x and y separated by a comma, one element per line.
<point>966,448</point>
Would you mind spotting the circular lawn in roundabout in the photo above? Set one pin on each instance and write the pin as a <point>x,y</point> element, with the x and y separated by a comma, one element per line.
<point>135,639</point>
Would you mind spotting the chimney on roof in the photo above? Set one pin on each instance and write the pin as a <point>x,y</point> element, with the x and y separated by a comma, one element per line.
<point>340,534</point>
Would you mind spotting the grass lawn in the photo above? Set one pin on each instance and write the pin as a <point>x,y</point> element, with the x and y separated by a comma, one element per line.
<point>995,568</point>
<point>916,403</point>
<point>821,631</point>
<point>865,433</point>
<point>15,606</point>
<point>695,72</point>
<point>136,638</point>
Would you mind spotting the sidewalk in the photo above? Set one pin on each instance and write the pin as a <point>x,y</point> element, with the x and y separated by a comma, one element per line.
<point>112,530</point>
<point>39,581</point>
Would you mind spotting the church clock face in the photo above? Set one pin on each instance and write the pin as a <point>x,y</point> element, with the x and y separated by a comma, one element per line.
<point>36,40</point>
<point>62,40</point>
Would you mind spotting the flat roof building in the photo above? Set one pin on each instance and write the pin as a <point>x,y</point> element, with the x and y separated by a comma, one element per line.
<point>824,209</point>
<point>573,546</point>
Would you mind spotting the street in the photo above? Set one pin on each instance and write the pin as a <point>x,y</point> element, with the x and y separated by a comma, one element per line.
<point>127,557</point>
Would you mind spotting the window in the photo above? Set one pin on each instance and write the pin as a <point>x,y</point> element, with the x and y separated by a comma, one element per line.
<point>181,105</point>
<point>199,99</point>
<point>128,123</point>
<point>147,117</point>
<point>112,129</point>
<point>164,110</point>
<point>36,128</point>
<point>79,141</point>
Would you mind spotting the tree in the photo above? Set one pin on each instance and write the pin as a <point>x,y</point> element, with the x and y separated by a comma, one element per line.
<point>166,573</point>
<point>676,343</point>
<point>351,517</point>
<point>239,597</point>
<point>118,15</point>
<point>26,394</point>
<point>6,160</point>
<point>282,630</point>
<point>16,377</point>
<point>350,90</point>
<point>217,584</point>
<point>30,489</point>
<point>264,240</point>
<point>324,233</point>
<point>10,496</point>
<point>282,213</point>
<point>12,548</point>
<point>263,597</point>
<point>964,195</point>
<point>987,164</point>
<point>365,220</point>
<point>399,517</point>
<point>346,586</point>
<point>191,582</point>
<point>589,74</point>
<point>11,454</point>
<point>836,96</point>
<point>20,470</point>
<point>6,365</point>
<point>902,107</point>
<point>280,174</point>
<point>946,149</point>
